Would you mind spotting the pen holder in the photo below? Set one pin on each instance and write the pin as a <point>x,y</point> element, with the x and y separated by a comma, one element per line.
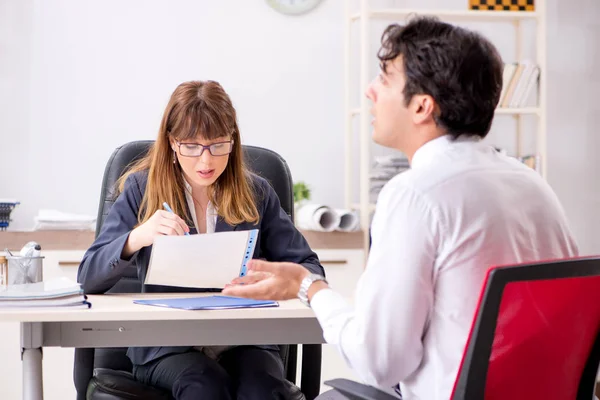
<point>23,270</point>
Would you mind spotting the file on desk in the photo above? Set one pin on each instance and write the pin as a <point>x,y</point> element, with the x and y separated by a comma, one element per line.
<point>58,292</point>
<point>208,303</point>
<point>208,260</point>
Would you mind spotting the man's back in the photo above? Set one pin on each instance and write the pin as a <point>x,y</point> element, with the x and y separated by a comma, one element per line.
<point>486,209</point>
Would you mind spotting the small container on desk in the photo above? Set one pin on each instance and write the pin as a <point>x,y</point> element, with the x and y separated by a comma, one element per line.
<point>23,270</point>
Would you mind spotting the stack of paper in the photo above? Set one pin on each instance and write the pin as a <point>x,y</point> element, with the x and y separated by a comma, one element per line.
<point>59,292</point>
<point>385,168</point>
<point>57,220</point>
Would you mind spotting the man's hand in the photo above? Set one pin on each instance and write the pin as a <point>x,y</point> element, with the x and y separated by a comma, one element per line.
<point>268,281</point>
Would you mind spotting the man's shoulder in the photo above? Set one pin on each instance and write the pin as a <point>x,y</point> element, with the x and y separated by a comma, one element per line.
<point>408,186</point>
<point>409,180</point>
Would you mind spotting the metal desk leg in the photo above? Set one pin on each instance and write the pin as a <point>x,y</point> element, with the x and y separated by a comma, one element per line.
<point>31,356</point>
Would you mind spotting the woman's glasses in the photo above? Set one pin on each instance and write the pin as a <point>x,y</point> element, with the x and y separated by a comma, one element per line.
<point>196,149</point>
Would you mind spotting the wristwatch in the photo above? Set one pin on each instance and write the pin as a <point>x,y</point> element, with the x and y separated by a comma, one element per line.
<point>306,282</point>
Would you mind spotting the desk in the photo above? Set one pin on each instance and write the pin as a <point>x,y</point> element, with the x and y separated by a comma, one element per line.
<point>114,321</point>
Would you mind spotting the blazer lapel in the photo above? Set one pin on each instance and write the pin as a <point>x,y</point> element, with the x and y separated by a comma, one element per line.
<point>223,226</point>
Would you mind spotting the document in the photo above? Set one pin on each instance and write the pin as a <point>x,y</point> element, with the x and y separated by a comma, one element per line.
<point>206,261</point>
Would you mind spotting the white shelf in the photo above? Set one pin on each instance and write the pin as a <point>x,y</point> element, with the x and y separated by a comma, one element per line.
<point>500,111</point>
<point>356,206</point>
<point>454,15</point>
<point>523,110</point>
<point>356,116</point>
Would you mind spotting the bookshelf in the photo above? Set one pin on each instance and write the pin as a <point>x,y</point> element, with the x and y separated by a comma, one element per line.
<point>363,17</point>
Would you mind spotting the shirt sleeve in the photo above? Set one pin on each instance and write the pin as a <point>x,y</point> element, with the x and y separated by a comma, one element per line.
<point>380,337</point>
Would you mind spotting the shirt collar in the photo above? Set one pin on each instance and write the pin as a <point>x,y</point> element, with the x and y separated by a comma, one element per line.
<point>188,187</point>
<point>210,209</point>
<point>431,149</point>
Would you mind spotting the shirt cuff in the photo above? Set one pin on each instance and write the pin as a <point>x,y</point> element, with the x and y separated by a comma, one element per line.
<point>327,304</point>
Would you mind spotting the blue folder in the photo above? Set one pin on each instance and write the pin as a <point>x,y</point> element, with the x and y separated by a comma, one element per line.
<point>208,303</point>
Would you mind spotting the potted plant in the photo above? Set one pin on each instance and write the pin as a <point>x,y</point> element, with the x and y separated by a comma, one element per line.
<point>301,195</point>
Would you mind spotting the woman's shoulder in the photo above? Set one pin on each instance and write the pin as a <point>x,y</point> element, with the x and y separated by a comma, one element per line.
<point>262,189</point>
<point>260,185</point>
<point>136,181</point>
<point>257,181</point>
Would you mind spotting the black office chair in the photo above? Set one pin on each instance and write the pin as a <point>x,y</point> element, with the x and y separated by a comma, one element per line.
<point>105,374</point>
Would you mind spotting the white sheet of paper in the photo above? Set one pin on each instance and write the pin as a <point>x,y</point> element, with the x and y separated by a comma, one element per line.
<point>201,261</point>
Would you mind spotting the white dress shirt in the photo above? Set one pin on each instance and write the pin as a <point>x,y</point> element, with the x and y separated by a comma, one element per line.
<point>461,208</point>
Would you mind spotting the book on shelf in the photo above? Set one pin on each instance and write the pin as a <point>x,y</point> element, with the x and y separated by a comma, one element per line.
<point>518,83</point>
<point>532,161</point>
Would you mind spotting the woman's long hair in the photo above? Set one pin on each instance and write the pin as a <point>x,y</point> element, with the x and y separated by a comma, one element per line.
<point>196,109</point>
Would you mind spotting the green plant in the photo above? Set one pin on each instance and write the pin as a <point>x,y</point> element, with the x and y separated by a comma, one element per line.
<point>301,192</point>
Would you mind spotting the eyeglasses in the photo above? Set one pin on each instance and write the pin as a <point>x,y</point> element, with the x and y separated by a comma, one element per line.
<point>196,150</point>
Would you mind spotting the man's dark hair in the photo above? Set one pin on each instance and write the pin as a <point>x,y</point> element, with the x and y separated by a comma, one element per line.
<point>460,69</point>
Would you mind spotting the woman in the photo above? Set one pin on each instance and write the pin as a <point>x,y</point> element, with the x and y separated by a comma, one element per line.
<point>196,166</point>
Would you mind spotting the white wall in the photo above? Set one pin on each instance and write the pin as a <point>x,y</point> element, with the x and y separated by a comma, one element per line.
<point>79,78</point>
<point>574,114</point>
<point>100,74</point>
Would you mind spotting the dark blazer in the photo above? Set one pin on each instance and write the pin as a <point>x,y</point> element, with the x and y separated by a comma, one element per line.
<point>102,266</point>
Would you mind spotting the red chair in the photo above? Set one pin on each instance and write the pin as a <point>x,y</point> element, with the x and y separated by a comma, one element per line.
<point>535,335</point>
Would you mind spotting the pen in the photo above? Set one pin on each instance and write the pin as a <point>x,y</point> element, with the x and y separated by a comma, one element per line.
<point>166,206</point>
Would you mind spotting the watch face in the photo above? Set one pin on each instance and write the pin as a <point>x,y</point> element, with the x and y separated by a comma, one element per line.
<point>293,7</point>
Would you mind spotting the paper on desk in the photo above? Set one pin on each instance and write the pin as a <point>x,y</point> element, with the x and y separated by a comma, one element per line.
<point>200,261</point>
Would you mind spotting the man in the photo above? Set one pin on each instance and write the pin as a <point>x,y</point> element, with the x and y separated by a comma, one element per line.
<point>438,227</point>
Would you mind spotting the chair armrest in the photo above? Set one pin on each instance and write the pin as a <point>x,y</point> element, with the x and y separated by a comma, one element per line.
<point>109,384</point>
<point>358,391</point>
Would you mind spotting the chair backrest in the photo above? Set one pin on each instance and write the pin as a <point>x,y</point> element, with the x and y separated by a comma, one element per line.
<point>263,162</point>
<point>536,333</point>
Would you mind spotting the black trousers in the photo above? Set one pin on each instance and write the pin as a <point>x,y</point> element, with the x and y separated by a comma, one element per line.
<point>242,373</point>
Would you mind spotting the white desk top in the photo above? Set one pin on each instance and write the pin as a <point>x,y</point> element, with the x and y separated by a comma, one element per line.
<point>120,307</point>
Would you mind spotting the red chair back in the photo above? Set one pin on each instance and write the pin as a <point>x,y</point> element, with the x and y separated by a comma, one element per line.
<point>535,334</point>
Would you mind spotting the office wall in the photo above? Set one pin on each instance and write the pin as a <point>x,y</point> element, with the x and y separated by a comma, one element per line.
<point>96,74</point>
<point>79,78</point>
<point>573,114</point>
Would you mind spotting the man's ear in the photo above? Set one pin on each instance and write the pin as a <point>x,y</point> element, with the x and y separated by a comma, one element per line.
<point>423,108</point>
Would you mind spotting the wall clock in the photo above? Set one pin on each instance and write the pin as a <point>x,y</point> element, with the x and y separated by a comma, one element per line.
<point>293,7</point>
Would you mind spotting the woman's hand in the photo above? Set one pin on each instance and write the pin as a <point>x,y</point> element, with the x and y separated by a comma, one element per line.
<point>161,223</point>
